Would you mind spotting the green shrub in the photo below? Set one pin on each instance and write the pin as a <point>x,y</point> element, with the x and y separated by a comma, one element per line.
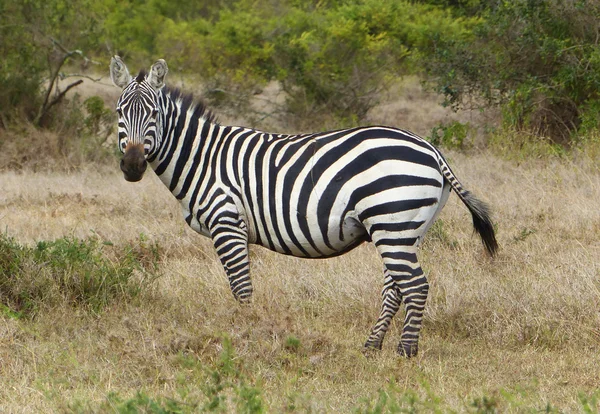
<point>86,273</point>
<point>539,60</point>
<point>38,39</point>
<point>333,59</point>
<point>453,135</point>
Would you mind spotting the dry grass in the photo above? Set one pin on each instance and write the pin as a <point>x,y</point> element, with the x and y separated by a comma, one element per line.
<point>515,333</point>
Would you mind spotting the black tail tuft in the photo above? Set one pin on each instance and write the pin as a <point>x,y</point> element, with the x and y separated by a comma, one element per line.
<point>482,222</point>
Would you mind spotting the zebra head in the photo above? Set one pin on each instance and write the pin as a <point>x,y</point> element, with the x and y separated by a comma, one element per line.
<point>139,112</point>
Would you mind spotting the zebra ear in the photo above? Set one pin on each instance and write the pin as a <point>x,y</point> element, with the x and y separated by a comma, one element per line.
<point>157,74</point>
<point>118,72</point>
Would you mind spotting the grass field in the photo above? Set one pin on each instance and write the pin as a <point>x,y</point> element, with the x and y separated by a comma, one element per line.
<point>520,333</point>
<point>119,307</point>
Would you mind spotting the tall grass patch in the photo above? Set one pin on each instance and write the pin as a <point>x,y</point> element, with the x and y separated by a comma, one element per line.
<point>69,271</point>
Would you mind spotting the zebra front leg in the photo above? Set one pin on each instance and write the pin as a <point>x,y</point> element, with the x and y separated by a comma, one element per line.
<point>389,307</point>
<point>231,242</point>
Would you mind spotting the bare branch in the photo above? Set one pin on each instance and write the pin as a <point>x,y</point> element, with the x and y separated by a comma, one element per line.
<point>44,108</point>
<point>81,75</point>
<point>57,99</point>
<point>62,94</point>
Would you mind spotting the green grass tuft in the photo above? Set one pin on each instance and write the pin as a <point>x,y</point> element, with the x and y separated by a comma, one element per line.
<point>87,273</point>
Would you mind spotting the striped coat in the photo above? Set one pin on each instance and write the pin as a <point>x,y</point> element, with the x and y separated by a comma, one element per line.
<point>310,195</point>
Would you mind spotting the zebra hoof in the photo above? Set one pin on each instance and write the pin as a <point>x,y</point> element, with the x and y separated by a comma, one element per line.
<point>408,350</point>
<point>243,297</point>
<point>244,300</point>
<point>371,348</point>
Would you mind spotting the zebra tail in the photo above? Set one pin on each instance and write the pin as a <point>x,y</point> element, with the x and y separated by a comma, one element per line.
<point>479,210</point>
<point>481,221</point>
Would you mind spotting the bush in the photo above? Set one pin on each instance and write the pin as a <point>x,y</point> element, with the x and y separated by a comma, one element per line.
<point>87,273</point>
<point>453,135</point>
<point>538,60</point>
<point>79,133</point>
<point>38,39</point>
<point>332,58</point>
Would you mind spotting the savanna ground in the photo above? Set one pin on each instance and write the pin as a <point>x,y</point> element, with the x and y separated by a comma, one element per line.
<point>518,333</point>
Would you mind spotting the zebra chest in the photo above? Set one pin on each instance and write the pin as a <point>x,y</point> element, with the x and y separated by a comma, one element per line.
<point>214,207</point>
<point>199,226</point>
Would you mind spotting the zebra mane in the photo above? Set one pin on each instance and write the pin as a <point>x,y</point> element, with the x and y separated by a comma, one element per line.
<point>141,76</point>
<point>188,101</point>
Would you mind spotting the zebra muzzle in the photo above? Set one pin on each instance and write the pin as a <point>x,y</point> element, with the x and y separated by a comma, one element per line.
<point>134,162</point>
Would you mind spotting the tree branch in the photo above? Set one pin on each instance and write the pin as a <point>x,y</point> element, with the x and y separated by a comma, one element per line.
<point>46,107</point>
<point>47,104</point>
<point>63,93</point>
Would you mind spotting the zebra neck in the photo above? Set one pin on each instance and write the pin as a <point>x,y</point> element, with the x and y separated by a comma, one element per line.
<point>185,150</point>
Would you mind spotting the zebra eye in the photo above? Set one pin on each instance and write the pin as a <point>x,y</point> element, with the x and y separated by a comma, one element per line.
<point>154,113</point>
<point>119,112</point>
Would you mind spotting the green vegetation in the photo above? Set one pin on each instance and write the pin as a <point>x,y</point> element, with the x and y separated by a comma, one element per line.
<point>454,135</point>
<point>86,273</point>
<point>38,39</point>
<point>225,388</point>
<point>222,386</point>
<point>539,61</point>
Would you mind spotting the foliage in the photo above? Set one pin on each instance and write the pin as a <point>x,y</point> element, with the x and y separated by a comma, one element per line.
<point>453,135</point>
<point>335,60</point>
<point>38,39</point>
<point>85,273</point>
<point>461,7</point>
<point>330,57</point>
<point>539,60</point>
<point>77,134</point>
<point>136,29</point>
<point>99,118</point>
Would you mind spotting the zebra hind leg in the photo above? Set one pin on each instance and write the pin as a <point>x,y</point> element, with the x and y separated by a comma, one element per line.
<point>389,307</point>
<point>414,289</point>
<point>404,282</point>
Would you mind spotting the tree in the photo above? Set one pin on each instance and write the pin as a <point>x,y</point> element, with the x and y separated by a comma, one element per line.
<point>538,60</point>
<point>39,39</point>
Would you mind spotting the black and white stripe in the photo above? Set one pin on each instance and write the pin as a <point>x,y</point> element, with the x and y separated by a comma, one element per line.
<point>310,195</point>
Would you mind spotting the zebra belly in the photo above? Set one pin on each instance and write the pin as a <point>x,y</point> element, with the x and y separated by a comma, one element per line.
<point>345,235</point>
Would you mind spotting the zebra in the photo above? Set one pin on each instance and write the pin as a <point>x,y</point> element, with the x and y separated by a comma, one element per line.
<point>313,195</point>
